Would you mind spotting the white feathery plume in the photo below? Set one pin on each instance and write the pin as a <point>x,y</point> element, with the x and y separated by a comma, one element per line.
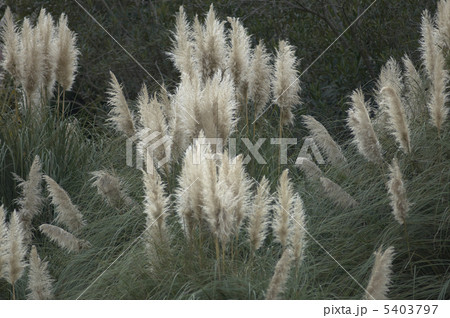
<point>399,202</point>
<point>239,58</point>
<point>298,230</point>
<point>67,213</point>
<point>280,277</point>
<point>12,61</point>
<point>309,168</point>
<point>413,85</point>
<point>259,78</point>
<point>153,120</point>
<point>66,54</point>
<point>334,192</point>
<point>283,209</point>
<point>259,217</point>
<point>210,45</point>
<point>364,136</point>
<point>30,201</point>
<point>63,238</point>
<point>182,46</point>
<point>40,284</point>
<point>286,84</point>
<point>32,62</point>
<point>323,139</point>
<point>156,205</point>
<point>380,277</point>
<point>439,96</point>
<point>45,32</point>
<point>443,22</point>
<point>427,42</point>
<point>3,241</point>
<point>120,115</point>
<point>110,188</point>
<point>397,118</point>
<point>16,251</point>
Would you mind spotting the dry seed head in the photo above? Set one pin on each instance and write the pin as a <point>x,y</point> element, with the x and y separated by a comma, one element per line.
<point>286,84</point>
<point>283,209</point>
<point>39,280</point>
<point>325,141</point>
<point>399,202</point>
<point>298,230</point>
<point>120,115</point>
<point>67,213</point>
<point>359,122</point>
<point>259,217</point>
<point>63,238</point>
<point>66,54</point>
<point>398,120</point>
<point>309,168</point>
<point>12,61</point>
<point>259,78</point>
<point>110,188</point>
<point>239,57</point>
<point>16,250</point>
<point>334,192</point>
<point>156,201</point>
<point>3,241</point>
<point>30,201</point>
<point>45,32</point>
<point>443,22</point>
<point>380,277</point>
<point>280,277</point>
<point>413,84</point>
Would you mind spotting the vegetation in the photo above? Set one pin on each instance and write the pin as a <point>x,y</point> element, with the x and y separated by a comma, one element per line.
<point>372,222</point>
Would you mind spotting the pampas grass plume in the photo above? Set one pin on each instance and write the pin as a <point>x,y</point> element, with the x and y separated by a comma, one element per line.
<point>109,187</point>
<point>12,61</point>
<point>280,277</point>
<point>283,209</point>
<point>68,213</point>
<point>362,129</point>
<point>258,220</point>
<point>120,114</point>
<point>39,280</point>
<point>259,78</point>
<point>63,238</point>
<point>309,168</point>
<point>286,85</point>
<point>298,230</point>
<point>3,241</point>
<point>16,251</point>
<point>30,202</point>
<point>337,194</point>
<point>324,141</point>
<point>381,275</point>
<point>66,54</point>
<point>398,120</point>
<point>397,192</point>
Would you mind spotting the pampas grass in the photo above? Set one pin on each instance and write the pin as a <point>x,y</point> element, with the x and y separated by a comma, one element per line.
<point>298,231</point>
<point>399,203</point>
<point>66,54</point>
<point>325,141</point>
<point>110,188</point>
<point>258,219</point>
<point>3,241</point>
<point>39,280</point>
<point>67,213</point>
<point>16,251</point>
<point>120,115</point>
<point>63,238</point>
<point>309,168</point>
<point>398,120</point>
<point>380,277</point>
<point>362,129</point>
<point>259,78</point>
<point>443,22</point>
<point>283,209</point>
<point>280,277</point>
<point>286,85</point>
<point>30,202</point>
<point>338,195</point>
<point>12,61</point>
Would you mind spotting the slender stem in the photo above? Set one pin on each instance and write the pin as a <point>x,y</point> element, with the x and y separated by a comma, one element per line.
<point>13,292</point>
